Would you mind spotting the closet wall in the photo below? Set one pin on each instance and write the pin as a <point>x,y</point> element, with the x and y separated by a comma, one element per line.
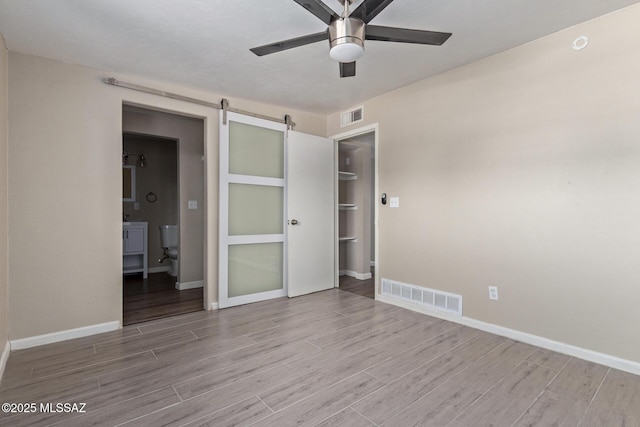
<point>355,211</point>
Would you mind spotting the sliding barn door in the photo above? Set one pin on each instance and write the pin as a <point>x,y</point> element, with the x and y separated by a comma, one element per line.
<point>252,261</point>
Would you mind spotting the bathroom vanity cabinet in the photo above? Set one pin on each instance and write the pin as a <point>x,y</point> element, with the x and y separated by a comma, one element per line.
<point>135,248</point>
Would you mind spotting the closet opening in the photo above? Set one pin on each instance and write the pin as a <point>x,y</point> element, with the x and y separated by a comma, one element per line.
<point>356,214</point>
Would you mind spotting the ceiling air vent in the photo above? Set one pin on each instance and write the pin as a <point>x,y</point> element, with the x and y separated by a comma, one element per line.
<point>351,116</point>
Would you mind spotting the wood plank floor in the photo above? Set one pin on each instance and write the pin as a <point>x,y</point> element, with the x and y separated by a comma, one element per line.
<point>156,297</point>
<point>332,358</point>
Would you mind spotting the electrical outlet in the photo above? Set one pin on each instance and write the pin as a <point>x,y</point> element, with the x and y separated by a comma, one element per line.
<point>493,292</point>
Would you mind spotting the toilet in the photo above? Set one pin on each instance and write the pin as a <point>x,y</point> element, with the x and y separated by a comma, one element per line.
<point>169,242</point>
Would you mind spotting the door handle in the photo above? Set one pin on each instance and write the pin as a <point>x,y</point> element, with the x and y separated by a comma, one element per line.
<point>294,222</point>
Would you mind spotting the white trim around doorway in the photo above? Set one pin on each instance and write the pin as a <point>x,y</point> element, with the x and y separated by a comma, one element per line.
<point>337,138</point>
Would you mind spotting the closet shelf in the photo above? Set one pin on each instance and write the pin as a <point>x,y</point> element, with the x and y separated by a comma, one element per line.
<point>346,176</point>
<point>347,206</point>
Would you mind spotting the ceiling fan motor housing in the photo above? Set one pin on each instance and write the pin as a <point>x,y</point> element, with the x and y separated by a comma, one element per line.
<point>346,33</point>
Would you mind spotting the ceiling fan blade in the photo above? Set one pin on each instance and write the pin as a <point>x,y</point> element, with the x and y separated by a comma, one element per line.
<point>289,44</point>
<point>369,9</point>
<point>347,69</point>
<point>405,35</point>
<point>319,9</point>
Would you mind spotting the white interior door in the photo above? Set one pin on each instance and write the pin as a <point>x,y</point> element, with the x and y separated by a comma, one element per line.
<point>311,213</point>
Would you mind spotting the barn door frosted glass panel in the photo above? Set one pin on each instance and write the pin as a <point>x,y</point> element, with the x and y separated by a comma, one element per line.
<point>255,268</point>
<point>255,209</point>
<point>255,151</point>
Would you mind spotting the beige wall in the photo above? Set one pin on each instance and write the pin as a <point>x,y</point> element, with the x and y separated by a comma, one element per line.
<point>4,241</point>
<point>65,144</point>
<point>190,133</point>
<point>522,171</point>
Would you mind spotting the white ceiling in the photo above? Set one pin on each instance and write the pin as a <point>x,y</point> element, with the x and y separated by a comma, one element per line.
<point>205,43</point>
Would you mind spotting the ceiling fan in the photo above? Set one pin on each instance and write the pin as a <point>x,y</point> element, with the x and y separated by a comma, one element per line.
<point>347,33</point>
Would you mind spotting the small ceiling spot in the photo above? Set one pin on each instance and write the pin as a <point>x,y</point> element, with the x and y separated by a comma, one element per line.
<point>580,43</point>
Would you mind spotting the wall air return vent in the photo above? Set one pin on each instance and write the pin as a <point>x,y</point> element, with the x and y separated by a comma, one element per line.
<point>352,116</point>
<point>424,297</point>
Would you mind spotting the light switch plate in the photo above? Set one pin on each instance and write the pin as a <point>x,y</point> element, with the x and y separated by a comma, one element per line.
<point>193,204</point>
<point>394,202</point>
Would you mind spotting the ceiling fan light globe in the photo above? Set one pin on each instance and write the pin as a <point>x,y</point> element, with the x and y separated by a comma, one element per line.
<point>346,39</point>
<point>347,51</point>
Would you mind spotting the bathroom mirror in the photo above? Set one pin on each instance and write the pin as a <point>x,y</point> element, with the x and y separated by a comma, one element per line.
<point>128,183</point>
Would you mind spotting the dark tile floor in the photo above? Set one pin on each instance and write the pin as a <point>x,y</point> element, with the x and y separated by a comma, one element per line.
<point>365,288</point>
<point>156,297</point>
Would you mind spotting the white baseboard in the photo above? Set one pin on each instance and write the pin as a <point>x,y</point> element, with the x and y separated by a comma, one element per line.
<point>69,334</point>
<point>4,357</point>
<point>181,286</point>
<point>355,274</point>
<point>214,306</point>
<point>579,352</point>
<point>159,269</point>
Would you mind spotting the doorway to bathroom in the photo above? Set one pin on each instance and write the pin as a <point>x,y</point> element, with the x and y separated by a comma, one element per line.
<point>163,243</point>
